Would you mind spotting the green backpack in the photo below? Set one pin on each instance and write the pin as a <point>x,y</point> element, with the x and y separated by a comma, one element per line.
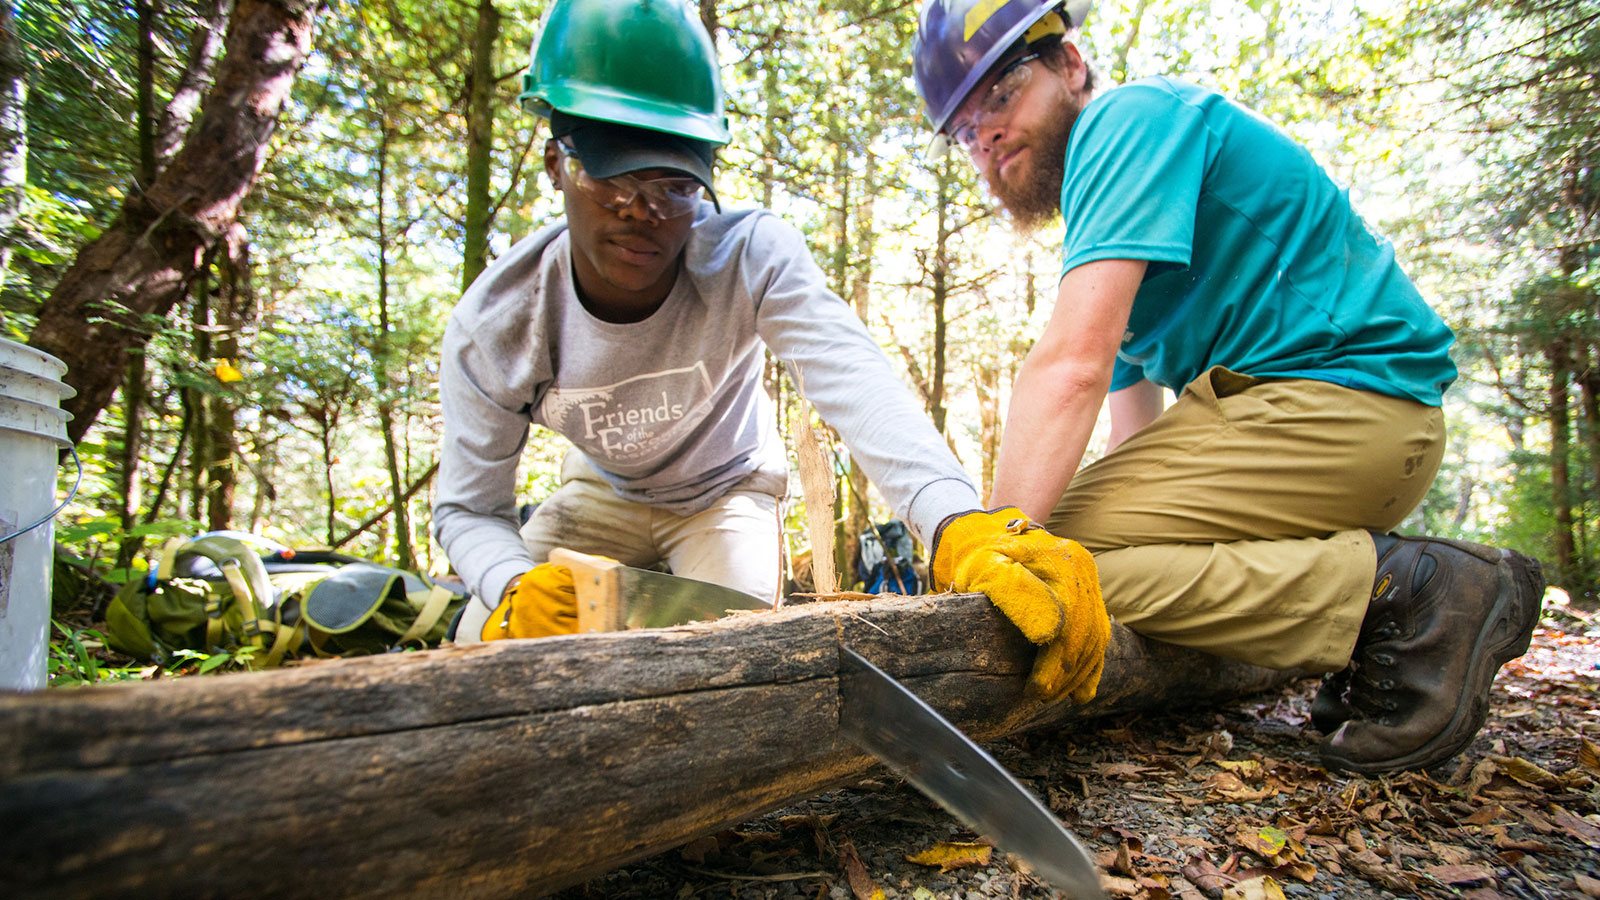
<point>218,593</point>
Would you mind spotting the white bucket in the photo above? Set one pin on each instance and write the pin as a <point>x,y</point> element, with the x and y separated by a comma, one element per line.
<point>33,429</point>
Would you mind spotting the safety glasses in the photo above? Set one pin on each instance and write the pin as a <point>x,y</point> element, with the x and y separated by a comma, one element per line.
<point>993,103</point>
<point>666,198</point>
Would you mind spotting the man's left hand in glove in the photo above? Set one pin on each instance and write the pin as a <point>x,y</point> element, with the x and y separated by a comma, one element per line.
<point>1046,585</point>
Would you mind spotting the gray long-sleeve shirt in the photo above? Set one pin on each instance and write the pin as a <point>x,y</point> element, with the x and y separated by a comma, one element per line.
<point>669,410</point>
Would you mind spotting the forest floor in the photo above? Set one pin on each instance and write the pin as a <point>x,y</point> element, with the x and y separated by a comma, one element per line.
<point>1228,801</point>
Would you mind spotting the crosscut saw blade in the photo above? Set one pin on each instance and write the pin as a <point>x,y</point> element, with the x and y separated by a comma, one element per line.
<point>614,597</point>
<point>884,718</point>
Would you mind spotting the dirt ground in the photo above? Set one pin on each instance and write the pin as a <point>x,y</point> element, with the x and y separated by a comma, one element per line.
<point>1221,802</point>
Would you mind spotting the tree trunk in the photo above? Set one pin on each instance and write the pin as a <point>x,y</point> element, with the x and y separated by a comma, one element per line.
<point>708,18</point>
<point>861,300</point>
<point>232,309</point>
<point>325,435</point>
<point>380,360</point>
<point>145,115</point>
<point>941,291</point>
<point>128,465</point>
<point>141,265</point>
<point>194,398</point>
<point>506,769</point>
<point>990,418</point>
<point>205,45</point>
<point>480,142</point>
<point>853,496</point>
<point>1589,382</point>
<point>13,137</point>
<point>1558,354</point>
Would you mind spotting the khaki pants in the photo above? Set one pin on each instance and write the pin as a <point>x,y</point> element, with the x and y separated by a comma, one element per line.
<point>1236,523</point>
<point>734,543</point>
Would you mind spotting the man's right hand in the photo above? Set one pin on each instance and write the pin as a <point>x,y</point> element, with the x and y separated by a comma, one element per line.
<point>540,603</point>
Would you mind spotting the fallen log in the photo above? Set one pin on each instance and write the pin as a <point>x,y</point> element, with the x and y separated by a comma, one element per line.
<point>503,769</point>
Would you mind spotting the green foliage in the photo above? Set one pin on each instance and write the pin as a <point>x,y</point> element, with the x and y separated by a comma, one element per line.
<point>81,114</point>
<point>76,660</point>
<point>73,660</point>
<point>1478,158</point>
<point>198,663</point>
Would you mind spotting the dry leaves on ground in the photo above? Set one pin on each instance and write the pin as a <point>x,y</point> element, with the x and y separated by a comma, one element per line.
<point>1228,802</point>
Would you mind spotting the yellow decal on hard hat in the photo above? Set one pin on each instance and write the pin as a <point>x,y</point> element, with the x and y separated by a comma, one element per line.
<point>978,15</point>
<point>1050,24</point>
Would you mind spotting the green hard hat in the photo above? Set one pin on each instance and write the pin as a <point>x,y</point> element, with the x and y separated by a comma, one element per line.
<point>645,63</point>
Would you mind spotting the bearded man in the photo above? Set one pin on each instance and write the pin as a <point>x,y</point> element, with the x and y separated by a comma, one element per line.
<point>1207,253</point>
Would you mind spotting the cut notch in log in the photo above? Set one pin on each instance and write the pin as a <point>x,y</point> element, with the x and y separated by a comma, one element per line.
<point>504,769</point>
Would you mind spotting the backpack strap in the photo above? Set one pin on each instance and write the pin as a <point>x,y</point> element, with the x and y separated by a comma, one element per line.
<point>287,638</point>
<point>433,608</point>
<point>251,590</point>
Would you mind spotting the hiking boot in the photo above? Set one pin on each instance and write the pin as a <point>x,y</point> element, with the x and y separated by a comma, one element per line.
<point>1444,616</point>
<point>1331,707</point>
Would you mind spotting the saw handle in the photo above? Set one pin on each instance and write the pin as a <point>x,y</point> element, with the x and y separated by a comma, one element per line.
<point>599,591</point>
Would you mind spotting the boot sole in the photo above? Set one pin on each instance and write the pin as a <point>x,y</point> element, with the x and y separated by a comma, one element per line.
<point>1506,634</point>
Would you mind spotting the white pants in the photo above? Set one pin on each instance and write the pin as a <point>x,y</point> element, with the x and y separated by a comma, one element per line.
<point>735,543</point>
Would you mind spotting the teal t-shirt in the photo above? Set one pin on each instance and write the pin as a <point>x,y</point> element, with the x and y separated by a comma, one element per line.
<point>1257,260</point>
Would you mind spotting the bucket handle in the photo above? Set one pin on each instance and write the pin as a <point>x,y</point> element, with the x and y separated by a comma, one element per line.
<point>52,513</point>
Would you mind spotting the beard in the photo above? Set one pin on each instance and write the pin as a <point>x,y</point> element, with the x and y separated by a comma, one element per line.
<point>1033,199</point>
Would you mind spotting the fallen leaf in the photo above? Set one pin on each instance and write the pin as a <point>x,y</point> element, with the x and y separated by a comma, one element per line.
<point>855,874</point>
<point>1589,886</point>
<point>1375,869</point>
<point>953,855</point>
<point>1528,773</point>
<point>1117,886</point>
<point>1483,815</point>
<point>1124,770</point>
<point>1264,888</point>
<point>1228,786</point>
<point>1265,842</point>
<point>1206,876</point>
<point>1300,870</point>
<point>1504,841</point>
<point>1461,874</point>
<point>695,851</point>
<point>1482,774</point>
<point>1449,854</point>
<point>1582,829</point>
<point>923,893</point>
<point>1535,820</point>
<point>1244,768</point>
<point>1589,755</point>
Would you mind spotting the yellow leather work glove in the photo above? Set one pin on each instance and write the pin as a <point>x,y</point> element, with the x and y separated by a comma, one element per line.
<point>1046,585</point>
<point>540,603</point>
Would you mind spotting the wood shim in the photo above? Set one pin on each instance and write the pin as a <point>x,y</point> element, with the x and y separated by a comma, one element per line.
<point>816,484</point>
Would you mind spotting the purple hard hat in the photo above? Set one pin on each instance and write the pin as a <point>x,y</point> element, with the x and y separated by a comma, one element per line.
<point>959,41</point>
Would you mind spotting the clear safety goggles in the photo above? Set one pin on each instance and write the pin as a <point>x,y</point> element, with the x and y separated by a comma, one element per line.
<point>666,198</point>
<point>993,103</point>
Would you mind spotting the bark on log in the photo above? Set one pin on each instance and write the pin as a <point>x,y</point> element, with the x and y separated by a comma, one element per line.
<point>505,769</point>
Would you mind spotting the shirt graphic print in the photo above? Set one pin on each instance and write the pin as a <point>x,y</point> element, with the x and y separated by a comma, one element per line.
<point>632,422</point>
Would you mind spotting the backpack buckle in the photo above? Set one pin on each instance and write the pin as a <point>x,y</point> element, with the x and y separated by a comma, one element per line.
<point>257,627</point>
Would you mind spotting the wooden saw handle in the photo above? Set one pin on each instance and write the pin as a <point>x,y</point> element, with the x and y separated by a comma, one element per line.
<point>599,589</point>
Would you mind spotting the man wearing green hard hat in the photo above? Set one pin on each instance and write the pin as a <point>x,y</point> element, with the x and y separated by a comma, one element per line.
<point>635,327</point>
